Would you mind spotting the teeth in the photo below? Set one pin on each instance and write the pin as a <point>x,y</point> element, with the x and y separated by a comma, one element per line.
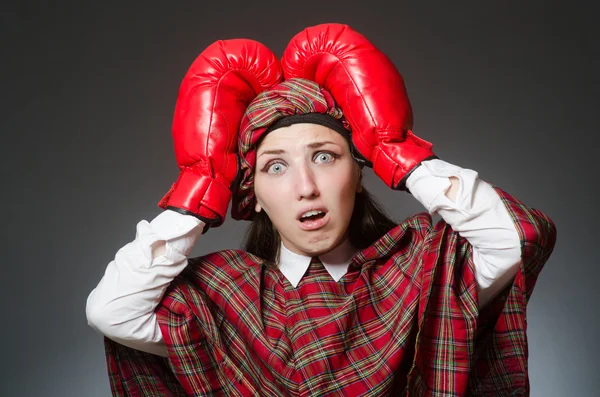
<point>311,213</point>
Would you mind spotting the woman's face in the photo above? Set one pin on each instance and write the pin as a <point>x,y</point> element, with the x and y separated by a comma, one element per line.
<point>306,180</point>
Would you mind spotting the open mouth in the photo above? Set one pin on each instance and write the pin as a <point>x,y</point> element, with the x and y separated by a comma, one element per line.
<point>312,216</point>
<point>313,220</point>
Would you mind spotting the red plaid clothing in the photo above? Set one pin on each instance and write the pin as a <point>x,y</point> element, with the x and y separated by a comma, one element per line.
<point>404,320</point>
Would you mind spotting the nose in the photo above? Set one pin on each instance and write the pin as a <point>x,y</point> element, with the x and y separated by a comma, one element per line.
<point>306,186</point>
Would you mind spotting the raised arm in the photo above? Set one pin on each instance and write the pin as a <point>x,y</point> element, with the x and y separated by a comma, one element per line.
<point>213,96</point>
<point>371,92</point>
<point>122,306</point>
<point>474,210</point>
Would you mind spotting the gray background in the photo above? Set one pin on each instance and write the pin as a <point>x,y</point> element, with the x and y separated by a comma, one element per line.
<point>507,88</point>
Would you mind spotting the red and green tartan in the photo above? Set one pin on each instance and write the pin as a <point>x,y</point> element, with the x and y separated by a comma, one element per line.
<point>404,320</point>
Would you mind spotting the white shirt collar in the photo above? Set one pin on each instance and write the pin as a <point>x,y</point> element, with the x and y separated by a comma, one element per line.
<point>336,262</point>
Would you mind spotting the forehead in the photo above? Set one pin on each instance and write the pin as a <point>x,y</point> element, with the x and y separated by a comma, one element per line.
<point>300,134</point>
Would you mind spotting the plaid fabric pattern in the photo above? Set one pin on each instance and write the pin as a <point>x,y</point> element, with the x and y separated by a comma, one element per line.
<point>293,96</point>
<point>404,320</point>
<point>135,373</point>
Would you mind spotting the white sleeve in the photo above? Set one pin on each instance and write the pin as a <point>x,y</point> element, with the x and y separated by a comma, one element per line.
<point>478,215</point>
<point>122,305</point>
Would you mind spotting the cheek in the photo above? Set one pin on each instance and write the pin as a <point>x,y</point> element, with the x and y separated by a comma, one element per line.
<point>349,180</point>
<point>259,193</point>
<point>271,203</point>
<point>259,189</point>
<point>342,188</point>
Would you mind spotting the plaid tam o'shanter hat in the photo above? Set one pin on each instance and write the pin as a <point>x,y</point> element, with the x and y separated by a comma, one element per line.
<point>289,102</point>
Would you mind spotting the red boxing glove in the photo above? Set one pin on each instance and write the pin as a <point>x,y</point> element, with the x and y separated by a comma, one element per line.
<point>369,90</point>
<point>215,92</point>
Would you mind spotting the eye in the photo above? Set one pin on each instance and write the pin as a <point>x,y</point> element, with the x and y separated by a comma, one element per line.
<point>325,157</point>
<point>275,168</point>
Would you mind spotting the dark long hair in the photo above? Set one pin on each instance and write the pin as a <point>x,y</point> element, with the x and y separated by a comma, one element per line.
<point>368,223</point>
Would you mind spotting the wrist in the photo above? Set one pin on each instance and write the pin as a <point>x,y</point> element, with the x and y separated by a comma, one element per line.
<point>395,162</point>
<point>199,195</point>
<point>427,187</point>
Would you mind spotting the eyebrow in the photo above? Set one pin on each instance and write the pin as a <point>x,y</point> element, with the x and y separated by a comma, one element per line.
<point>313,145</point>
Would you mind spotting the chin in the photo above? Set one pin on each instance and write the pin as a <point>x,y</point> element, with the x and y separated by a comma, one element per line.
<point>316,242</point>
<point>318,249</point>
<point>320,245</point>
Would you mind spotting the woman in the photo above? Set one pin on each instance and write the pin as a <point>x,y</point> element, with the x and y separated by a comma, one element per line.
<point>330,297</point>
